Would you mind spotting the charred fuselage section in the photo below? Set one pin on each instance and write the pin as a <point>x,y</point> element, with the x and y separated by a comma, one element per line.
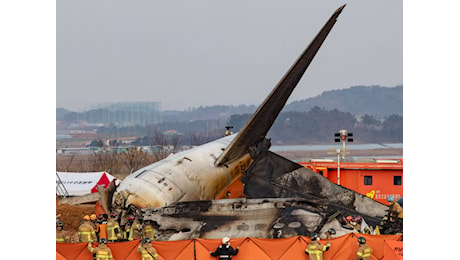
<point>272,175</point>
<point>284,199</point>
<point>263,218</point>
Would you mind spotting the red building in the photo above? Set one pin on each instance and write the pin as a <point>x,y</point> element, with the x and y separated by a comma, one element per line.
<point>377,179</point>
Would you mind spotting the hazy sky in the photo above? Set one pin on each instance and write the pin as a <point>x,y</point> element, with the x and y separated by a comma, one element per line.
<point>210,52</point>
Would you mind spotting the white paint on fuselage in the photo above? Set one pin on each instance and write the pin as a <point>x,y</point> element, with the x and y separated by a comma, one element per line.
<point>186,176</point>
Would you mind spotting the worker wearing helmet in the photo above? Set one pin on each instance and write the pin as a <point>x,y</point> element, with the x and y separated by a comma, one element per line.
<point>330,233</point>
<point>136,230</point>
<point>148,230</point>
<point>86,232</point>
<point>225,251</point>
<point>364,250</point>
<point>395,209</point>
<point>113,228</point>
<point>395,212</point>
<point>127,227</point>
<point>347,222</point>
<point>101,228</point>
<point>93,219</point>
<point>147,251</point>
<point>102,251</point>
<point>315,249</point>
<point>61,235</point>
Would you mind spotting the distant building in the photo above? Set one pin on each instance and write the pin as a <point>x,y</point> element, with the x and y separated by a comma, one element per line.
<point>124,114</point>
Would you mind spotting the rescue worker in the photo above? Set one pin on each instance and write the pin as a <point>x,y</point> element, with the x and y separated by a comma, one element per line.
<point>330,233</point>
<point>86,231</point>
<point>101,228</point>
<point>347,222</point>
<point>93,219</point>
<point>395,216</point>
<point>113,229</point>
<point>315,249</point>
<point>148,230</point>
<point>136,230</point>
<point>147,251</point>
<point>382,227</point>
<point>355,225</point>
<point>102,251</point>
<point>364,250</point>
<point>225,251</point>
<point>361,226</point>
<point>61,235</point>
<point>127,227</point>
<point>395,210</point>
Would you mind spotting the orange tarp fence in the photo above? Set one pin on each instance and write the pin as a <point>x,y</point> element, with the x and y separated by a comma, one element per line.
<point>386,247</point>
<point>393,250</point>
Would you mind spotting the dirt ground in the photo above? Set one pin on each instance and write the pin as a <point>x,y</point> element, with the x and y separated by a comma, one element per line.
<point>72,216</point>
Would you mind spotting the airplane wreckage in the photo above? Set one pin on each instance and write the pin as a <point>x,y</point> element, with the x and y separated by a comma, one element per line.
<point>282,198</point>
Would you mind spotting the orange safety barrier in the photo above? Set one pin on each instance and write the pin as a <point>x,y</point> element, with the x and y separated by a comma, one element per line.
<point>393,250</point>
<point>386,247</point>
<point>60,257</point>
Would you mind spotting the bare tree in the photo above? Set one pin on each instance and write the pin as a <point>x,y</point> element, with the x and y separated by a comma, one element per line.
<point>135,158</point>
<point>106,161</point>
<point>174,141</point>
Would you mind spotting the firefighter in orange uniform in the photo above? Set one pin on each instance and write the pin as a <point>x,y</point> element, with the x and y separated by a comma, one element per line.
<point>147,251</point>
<point>61,235</point>
<point>102,251</point>
<point>101,229</point>
<point>315,249</point>
<point>86,232</point>
<point>364,250</point>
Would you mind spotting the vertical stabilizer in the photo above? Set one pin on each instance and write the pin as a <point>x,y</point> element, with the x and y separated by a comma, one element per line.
<point>261,121</point>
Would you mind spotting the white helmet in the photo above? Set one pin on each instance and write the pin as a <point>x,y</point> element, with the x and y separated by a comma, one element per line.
<point>225,240</point>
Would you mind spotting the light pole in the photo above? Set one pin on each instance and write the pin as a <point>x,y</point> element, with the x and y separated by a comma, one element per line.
<point>342,136</point>
<point>338,165</point>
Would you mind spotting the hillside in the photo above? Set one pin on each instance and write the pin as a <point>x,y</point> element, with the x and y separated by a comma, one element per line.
<point>359,100</point>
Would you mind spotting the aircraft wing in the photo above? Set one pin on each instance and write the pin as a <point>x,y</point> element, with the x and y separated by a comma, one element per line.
<point>261,121</point>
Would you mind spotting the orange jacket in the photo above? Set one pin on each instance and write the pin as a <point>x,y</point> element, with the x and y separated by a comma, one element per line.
<point>102,229</point>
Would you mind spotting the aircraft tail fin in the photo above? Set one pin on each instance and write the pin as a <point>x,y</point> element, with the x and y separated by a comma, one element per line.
<point>262,120</point>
